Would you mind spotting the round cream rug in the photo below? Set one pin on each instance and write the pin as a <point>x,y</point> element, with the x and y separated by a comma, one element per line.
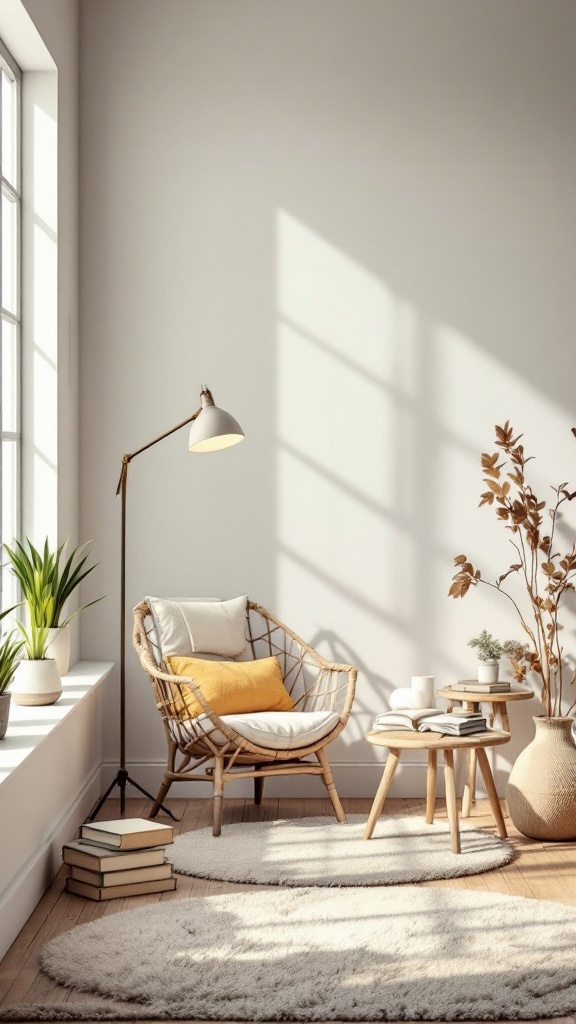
<point>399,953</point>
<point>321,851</point>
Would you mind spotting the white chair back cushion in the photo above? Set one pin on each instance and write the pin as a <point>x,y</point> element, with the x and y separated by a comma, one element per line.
<point>187,627</point>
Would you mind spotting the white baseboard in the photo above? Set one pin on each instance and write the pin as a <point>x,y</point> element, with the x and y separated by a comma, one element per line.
<point>352,780</point>
<point>34,877</point>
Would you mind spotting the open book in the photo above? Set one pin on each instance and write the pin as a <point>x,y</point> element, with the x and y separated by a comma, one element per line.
<point>454,723</point>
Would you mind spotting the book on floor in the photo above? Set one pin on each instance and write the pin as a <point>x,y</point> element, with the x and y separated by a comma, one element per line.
<point>454,724</point>
<point>127,833</point>
<point>114,892</point>
<point>106,878</point>
<point>104,858</point>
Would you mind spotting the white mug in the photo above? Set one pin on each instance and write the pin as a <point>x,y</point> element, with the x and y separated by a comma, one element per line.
<point>425,686</point>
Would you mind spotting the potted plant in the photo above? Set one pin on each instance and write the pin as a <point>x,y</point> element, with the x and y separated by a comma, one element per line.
<point>46,586</point>
<point>37,679</point>
<point>10,647</point>
<point>541,792</point>
<point>489,651</point>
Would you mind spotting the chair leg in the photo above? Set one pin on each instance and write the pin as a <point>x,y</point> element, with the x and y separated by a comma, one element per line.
<point>218,795</point>
<point>329,783</point>
<point>166,783</point>
<point>258,790</point>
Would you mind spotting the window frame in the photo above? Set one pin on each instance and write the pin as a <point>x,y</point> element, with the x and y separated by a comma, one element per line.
<point>9,593</point>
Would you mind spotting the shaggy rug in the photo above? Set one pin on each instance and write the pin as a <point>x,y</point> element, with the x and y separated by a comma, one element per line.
<point>320,851</point>
<point>398,953</point>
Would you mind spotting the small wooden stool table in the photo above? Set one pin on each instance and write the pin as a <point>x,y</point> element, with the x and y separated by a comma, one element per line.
<point>397,741</point>
<point>471,700</point>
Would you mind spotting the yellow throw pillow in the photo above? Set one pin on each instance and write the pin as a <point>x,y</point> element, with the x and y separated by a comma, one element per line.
<point>230,687</point>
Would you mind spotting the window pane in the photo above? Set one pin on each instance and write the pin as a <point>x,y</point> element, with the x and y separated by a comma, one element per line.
<point>9,253</point>
<point>10,377</point>
<point>9,133</point>
<point>9,489</point>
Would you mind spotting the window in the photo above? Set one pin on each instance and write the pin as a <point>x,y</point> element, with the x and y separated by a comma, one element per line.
<point>10,307</point>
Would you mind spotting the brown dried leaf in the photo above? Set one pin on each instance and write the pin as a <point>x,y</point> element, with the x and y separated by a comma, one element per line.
<point>494,486</point>
<point>516,477</point>
<point>487,499</point>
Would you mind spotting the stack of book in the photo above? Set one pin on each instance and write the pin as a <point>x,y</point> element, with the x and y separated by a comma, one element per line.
<point>453,723</point>
<point>112,859</point>
<point>472,687</point>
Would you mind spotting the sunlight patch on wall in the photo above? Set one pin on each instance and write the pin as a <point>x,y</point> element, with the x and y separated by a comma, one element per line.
<point>346,355</point>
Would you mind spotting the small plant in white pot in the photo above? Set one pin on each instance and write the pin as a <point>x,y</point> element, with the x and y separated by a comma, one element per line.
<point>46,586</point>
<point>489,650</point>
<point>10,647</point>
<point>37,679</point>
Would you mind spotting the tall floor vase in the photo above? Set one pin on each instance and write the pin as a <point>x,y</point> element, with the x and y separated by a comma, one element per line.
<point>541,791</point>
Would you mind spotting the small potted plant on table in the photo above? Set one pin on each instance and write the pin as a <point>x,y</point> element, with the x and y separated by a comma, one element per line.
<point>489,651</point>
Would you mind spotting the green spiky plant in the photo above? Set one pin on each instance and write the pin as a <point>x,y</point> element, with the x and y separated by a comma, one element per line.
<point>46,586</point>
<point>10,647</point>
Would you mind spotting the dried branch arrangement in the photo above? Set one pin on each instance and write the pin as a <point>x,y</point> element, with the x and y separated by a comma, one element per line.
<point>548,575</point>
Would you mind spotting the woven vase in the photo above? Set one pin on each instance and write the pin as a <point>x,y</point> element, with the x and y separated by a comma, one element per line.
<point>541,791</point>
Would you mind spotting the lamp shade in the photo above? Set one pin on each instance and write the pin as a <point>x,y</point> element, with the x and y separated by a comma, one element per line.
<point>213,428</point>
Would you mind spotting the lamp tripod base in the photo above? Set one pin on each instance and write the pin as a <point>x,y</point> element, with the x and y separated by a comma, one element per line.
<point>121,779</point>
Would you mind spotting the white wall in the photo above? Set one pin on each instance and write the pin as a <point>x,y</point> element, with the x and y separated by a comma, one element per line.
<point>355,220</point>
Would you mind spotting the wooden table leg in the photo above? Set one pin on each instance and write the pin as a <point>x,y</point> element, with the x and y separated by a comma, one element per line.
<point>469,796</point>
<point>431,776</point>
<point>491,790</point>
<point>451,800</point>
<point>391,765</point>
<point>505,721</point>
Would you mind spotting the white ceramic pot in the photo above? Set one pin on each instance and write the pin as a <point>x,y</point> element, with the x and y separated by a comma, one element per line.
<point>58,647</point>
<point>36,682</point>
<point>488,671</point>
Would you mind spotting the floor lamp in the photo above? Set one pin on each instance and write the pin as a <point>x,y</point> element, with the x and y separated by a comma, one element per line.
<point>211,429</point>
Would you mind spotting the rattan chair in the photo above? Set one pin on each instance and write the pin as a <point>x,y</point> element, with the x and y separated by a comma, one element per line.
<point>314,684</point>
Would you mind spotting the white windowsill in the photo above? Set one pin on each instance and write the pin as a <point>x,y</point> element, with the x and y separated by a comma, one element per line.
<point>28,727</point>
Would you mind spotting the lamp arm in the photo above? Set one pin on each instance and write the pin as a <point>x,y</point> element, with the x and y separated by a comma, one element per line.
<point>128,458</point>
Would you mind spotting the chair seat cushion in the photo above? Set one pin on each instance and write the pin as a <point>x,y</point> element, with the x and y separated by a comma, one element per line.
<point>276,730</point>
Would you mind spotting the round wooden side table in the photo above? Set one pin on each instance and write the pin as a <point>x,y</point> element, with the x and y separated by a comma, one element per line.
<point>396,741</point>
<point>471,700</point>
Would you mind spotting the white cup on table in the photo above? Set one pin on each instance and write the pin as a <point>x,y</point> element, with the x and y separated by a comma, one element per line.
<point>424,685</point>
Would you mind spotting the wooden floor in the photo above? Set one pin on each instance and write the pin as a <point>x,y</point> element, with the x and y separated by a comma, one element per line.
<point>538,871</point>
